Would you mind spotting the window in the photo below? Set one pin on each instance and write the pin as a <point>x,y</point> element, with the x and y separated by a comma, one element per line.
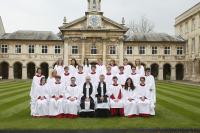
<point>179,50</point>
<point>129,50</point>
<point>142,50</point>
<point>193,45</point>
<point>44,49</point>
<point>31,49</point>
<point>74,49</point>
<point>57,49</point>
<point>17,48</point>
<point>167,50</point>
<point>193,24</point>
<point>112,50</point>
<point>4,48</point>
<point>154,50</point>
<point>93,49</point>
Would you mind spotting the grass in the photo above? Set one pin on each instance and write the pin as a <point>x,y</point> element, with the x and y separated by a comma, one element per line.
<point>178,106</point>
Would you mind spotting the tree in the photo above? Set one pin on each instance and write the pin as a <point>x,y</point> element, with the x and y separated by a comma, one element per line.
<point>144,25</point>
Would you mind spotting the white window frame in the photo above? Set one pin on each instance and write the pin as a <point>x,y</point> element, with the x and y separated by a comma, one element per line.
<point>129,50</point>
<point>18,49</point>
<point>4,48</point>
<point>93,49</point>
<point>179,50</point>
<point>57,49</point>
<point>154,50</point>
<point>112,50</point>
<point>31,49</point>
<point>73,48</point>
<point>167,50</point>
<point>44,49</point>
<point>142,50</point>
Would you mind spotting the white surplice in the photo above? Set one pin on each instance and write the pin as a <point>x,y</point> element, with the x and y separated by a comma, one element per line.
<point>86,69</point>
<point>59,69</point>
<point>130,106</point>
<point>140,70</point>
<point>143,106</point>
<point>135,78</point>
<point>80,78</point>
<point>127,70</point>
<point>72,106</point>
<point>114,70</point>
<point>150,81</point>
<point>66,79</point>
<point>122,78</point>
<point>115,93</point>
<point>108,79</point>
<point>94,79</point>
<point>101,69</point>
<point>56,106</point>
<point>41,105</point>
<point>72,69</point>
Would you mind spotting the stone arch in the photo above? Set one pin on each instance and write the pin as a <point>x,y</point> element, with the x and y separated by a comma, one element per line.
<point>166,71</point>
<point>154,69</point>
<point>179,71</point>
<point>4,70</point>
<point>31,70</point>
<point>17,69</point>
<point>45,69</point>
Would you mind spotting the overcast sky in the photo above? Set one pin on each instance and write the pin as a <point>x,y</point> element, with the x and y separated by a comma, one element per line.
<point>48,14</point>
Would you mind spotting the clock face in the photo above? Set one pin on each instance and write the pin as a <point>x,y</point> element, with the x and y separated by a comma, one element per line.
<point>94,21</point>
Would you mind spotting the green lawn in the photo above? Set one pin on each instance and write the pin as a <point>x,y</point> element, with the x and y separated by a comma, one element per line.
<point>178,106</point>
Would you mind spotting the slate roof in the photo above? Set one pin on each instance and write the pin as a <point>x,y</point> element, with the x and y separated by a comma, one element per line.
<point>153,37</point>
<point>30,35</point>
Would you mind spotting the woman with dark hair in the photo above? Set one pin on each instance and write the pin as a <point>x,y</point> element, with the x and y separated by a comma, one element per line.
<point>40,96</point>
<point>59,67</point>
<point>35,84</point>
<point>130,98</point>
<point>86,66</point>
<point>73,66</point>
<point>87,100</point>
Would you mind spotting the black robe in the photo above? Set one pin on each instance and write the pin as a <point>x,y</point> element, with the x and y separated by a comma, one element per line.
<point>98,95</point>
<point>83,98</point>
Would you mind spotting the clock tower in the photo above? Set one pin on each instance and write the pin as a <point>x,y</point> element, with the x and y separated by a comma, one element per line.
<point>94,14</point>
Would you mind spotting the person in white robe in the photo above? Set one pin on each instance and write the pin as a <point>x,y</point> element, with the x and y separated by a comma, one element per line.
<point>86,66</point>
<point>56,94</point>
<point>101,68</point>
<point>41,98</point>
<point>134,76</point>
<point>73,67</point>
<point>130,99</point>
<point>72,100</point>
<point>139,68</point>
<point>59,67</point>
<point>102,99</point>
<point>35,83</point>
<point>51,79</point>
<point>80,76</point>
<point>116,98</point>
<point>87,99</point>
<point>127,67</point>
<point>150,81</point>
<point>114,68</point>
<point>108,76</point>
<point>66,77</point>
<point>144,101</point>
<point>121,76</point>
<point>94,76</point>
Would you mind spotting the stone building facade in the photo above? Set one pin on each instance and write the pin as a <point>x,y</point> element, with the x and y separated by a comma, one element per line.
<point>188,26</point>
<point>92,36</point>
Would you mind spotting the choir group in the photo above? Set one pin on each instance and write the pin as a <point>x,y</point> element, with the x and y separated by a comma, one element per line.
<point>94,91</point>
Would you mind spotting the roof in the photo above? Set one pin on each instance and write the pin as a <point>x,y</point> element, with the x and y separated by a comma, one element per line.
<point>153,37</point>
<point>2,30</point>
<point>30,35</point>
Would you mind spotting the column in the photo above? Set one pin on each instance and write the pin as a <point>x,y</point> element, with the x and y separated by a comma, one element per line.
<point>24,72</point>
<point>66,52</point>
<point>121,53</point>
<point>173,73</point>
<point>160,73</point>
<point>11,73</point>
<point>104,52</point>
<point>83,49</point>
